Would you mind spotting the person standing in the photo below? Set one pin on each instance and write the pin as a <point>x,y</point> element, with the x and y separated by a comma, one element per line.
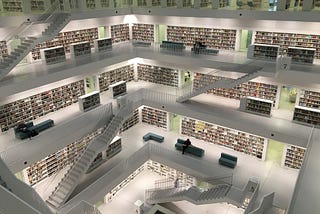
<point>185,145</point>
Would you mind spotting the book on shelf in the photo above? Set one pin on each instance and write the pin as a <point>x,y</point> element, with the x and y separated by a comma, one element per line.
<point>80,49</point>
<point>256,106</point>
<point>54,55</point>
<point>103,44</point>
<point>118,88</point>
<point>89,101</point>
<point>160,75</point>
<point>239,141</point>
<point>40,104</point>
<point>130,122</point>
<point>301,55</point>
<point>294,156</point>
<point>120,33</point>
<point>306,116</point>
<point>154,117</point>
<point>108,78</point>
<point>263,51</point>
<point>143,32</point>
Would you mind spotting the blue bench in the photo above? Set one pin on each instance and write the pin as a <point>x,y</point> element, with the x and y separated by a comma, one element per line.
<point>33,128</point>
<point>191,149</point>
<point>228,160</point>
<point>153,136</point>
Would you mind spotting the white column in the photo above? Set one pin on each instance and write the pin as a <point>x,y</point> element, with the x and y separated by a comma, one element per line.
<point>238,39</point>
<point>265,148</point>
<point>284,154</point>
<point>168,121</point>
<point>135,72</point>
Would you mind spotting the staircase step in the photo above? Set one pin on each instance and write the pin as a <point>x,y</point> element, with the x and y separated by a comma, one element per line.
<point>55,199</point>
<point>52,203</point>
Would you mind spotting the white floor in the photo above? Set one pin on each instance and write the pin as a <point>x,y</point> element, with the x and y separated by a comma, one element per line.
<point>272,176</point>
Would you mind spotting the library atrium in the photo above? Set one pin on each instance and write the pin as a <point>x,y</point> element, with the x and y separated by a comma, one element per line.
<point>159,106</point>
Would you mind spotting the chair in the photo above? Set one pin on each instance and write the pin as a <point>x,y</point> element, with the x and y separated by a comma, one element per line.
<point>239,4</point>
<point>250,4</point>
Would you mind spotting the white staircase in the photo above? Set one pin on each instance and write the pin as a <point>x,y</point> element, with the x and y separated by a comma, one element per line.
<point>222,83</point>
<point>57,22</point>
<point>71,179</point>
<point>192,194</point>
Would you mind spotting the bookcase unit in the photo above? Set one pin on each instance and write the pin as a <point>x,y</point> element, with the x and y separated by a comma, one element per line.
<point>294,156</point>
<point>252,89</point>
<point>104,3</point>
<point>89,101</point>
<point>37,5</point>
<point>133,120</point>
<point>54,55</point>
<point>80,49</point>
<point>124,73</point>
<point>119,88</point>
<point>301,55</point>
<point>113,149</point>
<point>66,39</point>
<point>143,32</point>
<point>123,183</point>
<point>168,172</point>
<point>212,38</point>
<point>286,40</point>
<point>307,116</point>
<point>58,160</point>
<point>39,104</point>
<point>160,75</point>
<point>12,5</point>
<point>90,4</point>
<point>239,141</point>
<point>309,99</point>
<point>154,117</point>
<point>256,106</point>
<point>103,44</point>
<point>120,33</point>
<point>3,49</point>
<point>263,51</point>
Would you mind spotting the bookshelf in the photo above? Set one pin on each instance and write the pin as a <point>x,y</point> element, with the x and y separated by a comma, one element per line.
<point>168,172</point>
<point>89,101</point>
<point>171,3</point>
<point>12,5</point>
<point>104,3</point>
<point>40,104</point>
<point>309,99</point>
<point>154,117</point>
<point>239,141</point>
<point>263,51</point>
<point>294,156</point>
<point>256,106</point>
<point>252,89</point>
<point>65,39</point>
<point>80,49</point>
<point>306,116</point>
<point>118,88</point>
<point>124,73</point>
<point>122,184</point>
<point>37,5</point>
<point>301,55</point>
<point>160,75</point>
<point>120,33</point>
<point>205,3</point>
<point>156,3</point>
<point>141,3</point>
<point>286,40</point>
<point>113,149</point>
<point>103,44</point>
<point>210,37</point>
<point>143,32</point>
<point>90,4</point>
<point>3,49</point>
<point>133,120</point>
<point>58,160</point>
<point>54,55</point>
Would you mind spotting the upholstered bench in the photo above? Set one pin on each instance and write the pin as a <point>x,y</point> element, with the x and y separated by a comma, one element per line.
<point>33,128</point>
<point>153,136</point>
<point>191,149</point>
<point>228,160</point>
<point>42,126</point>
